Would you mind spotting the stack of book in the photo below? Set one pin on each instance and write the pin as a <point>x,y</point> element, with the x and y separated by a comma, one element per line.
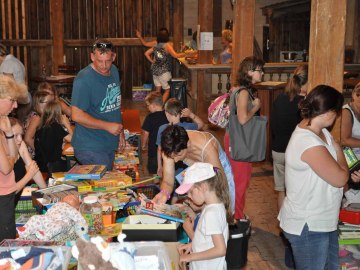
<point>349,231</point>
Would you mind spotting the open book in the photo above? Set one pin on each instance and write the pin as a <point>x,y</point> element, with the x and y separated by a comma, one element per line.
<point>165,211</point>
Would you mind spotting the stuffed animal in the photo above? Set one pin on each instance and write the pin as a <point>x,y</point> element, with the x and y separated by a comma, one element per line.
<point>93,254</point>
<point>60,219</point>
<point>96,254</point>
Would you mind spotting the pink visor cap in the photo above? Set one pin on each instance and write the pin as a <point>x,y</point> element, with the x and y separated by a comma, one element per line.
<point>197,172</point>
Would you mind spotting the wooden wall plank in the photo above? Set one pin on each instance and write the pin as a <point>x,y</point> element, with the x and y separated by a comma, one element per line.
<point>57,26</point>
<point>23,23</point>
<point>3,19</point>
<point>9,19</point>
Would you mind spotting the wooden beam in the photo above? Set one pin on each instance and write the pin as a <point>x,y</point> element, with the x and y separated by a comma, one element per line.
<point>205,20</point>
<point>27,42</point>
<point>327,44</point>
<point>57,31</point>
<point>115,42</point>
<point>243,34</point>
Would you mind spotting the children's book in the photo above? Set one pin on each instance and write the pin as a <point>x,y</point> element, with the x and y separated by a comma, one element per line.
<point>351,160</point>
<point>165,211</point>
<point>112,179</point>
<point>85,172</point>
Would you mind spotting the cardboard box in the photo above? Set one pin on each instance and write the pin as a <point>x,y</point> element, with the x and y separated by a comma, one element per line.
<point>149,228</point>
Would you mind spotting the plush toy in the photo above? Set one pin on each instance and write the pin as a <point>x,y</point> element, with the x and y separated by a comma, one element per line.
<point>96,254</point>
<point>61,219</point>
<point>93,254</point>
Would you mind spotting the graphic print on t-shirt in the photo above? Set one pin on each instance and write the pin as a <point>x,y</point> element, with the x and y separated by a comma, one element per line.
<point>112,99</point>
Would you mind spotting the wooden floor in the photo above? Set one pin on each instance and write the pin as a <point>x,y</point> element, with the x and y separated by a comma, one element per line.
<point>266,249</point>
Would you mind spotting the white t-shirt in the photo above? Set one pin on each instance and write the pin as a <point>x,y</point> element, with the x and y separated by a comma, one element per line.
<point>13,66</point>
<point>309,198</point>
<point>355,130</point>
<point>212,221</point>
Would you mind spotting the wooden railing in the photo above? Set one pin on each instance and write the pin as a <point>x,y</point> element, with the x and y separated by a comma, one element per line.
<point>221,77</point>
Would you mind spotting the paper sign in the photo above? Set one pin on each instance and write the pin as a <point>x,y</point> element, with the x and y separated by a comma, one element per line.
<point>206,41</point>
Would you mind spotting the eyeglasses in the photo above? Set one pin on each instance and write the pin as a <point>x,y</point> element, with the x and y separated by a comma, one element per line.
<point>103,46</point>
<point>261,70</point>
<point>12,100</point>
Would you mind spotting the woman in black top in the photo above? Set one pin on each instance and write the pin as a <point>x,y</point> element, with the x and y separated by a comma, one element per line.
<point>284,118</point>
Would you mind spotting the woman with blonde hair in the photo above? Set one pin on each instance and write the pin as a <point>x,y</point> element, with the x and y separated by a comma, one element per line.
<point>10,92</point>
<point>226,41</point>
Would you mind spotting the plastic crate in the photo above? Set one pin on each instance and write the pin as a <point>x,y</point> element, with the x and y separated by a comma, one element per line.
<point>24,206</point>
<point>131,207</point>
<point>149,190</point>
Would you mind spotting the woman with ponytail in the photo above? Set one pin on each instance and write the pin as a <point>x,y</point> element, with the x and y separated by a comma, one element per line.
<point>284,118</point>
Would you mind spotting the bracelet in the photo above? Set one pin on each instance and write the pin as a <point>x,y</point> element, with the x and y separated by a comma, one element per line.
<point>9,137</point>
<point>167,193</point>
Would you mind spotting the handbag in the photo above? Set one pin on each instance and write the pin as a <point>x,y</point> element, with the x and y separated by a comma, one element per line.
<point>219,111</point>
<point>247,141</point>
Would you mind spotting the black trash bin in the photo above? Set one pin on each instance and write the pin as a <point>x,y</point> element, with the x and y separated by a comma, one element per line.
<point>237,246</point>
<point>178,90</point>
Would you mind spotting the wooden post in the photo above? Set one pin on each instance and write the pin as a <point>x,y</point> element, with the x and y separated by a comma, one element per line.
<point>243,34</point>
<point>178,35</point>
<point>205,20</point>
<point>57,31</point>
<point>327,44</point>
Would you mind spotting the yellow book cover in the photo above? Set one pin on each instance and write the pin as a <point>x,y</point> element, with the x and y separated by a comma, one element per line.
<point>113,179</point>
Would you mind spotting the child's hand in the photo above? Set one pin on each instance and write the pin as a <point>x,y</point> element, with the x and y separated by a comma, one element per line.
<point>185,248</point>
<point>184,251</point>
<point>186,113</point>
<point>188,226</point>
<point>187,209</point>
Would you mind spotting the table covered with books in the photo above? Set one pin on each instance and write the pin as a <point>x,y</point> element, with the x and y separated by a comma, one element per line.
<point>120,203</point>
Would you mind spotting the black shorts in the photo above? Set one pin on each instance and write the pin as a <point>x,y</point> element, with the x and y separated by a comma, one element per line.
<point>7,217</point>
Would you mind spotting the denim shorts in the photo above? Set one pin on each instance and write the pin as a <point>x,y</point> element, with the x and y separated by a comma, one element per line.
<point>315,250</point>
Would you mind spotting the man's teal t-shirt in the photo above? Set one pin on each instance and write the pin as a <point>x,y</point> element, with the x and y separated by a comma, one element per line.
<point>100,97</point>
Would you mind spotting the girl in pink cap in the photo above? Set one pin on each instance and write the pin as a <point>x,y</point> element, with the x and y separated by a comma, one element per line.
<point>206,187</point>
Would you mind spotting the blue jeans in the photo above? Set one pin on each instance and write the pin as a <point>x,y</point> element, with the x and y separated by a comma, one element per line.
<point>315,250</point>
<point>98,158</point>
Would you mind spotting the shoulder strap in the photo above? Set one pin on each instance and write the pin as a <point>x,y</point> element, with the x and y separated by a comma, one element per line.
<point>233,104</point>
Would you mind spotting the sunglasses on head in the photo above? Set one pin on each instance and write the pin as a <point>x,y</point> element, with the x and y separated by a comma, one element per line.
<point>103,46</point>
